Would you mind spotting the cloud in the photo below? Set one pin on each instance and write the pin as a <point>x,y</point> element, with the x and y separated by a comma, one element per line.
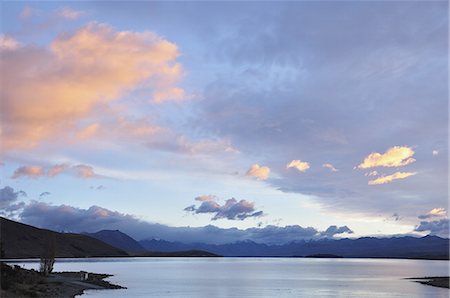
<point>81,170</point>
<point>390,178</point>
<point>302,166</point>
<point>435,212</point>
<point>118,128</point>
<point>396,217</point>
<point>69,13</point>
<point>204,146</point>
<point>372,173</point>
<point>99,187</point>
<point>79,74</point>
<point>172,94</point>
<point>95,218</point>
<point>330,166</point>
<point>435,152</point>
<point>393,157</point>
<point>57,169</point>
<point>26,13</point>
<point>260,172</point>
<point>334,230</point>
<point>293,65</point>
<point>45,193</point>
<point>232,209</point>
<point>84,171</point>
<point>206,198</point>
<point>8,199</point>
<point>88,131</point>
<point>437,227</point>
<point>68,218</point>
<point>8,43</point>
<point>355,71</point>
<point>28,171</point>
<point>152,136</point>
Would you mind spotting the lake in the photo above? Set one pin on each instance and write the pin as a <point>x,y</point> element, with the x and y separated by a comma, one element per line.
<point>259,277</point>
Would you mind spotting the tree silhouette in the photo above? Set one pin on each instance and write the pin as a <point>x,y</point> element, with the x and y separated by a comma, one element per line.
<point>48,256</point>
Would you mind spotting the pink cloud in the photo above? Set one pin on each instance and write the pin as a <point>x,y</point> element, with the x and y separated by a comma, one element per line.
<point>79,72</point>
<point>56,170</point>
<point>82,171</point>
<point>28,171</point>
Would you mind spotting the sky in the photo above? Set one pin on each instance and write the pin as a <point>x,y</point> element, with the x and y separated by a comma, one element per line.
<point>226,121</point>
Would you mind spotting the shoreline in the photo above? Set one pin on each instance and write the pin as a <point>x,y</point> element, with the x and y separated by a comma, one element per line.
<point>169,255</point>
<point>434,281</point>
<point>20,282</point>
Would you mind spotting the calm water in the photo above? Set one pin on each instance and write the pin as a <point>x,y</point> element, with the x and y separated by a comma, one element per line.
<point>260,277</point>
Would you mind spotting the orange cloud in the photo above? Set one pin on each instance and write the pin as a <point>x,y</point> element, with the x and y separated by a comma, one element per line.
<point>28,171</point>
<point>302,166</point>
<point>397,156</point>
<point>390,178</point>
<point>437,212</point>
<point>56,170</point>
<point>48,91</point>
<point>82,171</point>
<point>88,131</point>
<point>259,172</point>
<point>205,198</point>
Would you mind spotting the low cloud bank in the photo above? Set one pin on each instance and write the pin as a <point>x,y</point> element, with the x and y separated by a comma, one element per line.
<point>9,200</point>
<point>436,227</point>
<point>72,219</point>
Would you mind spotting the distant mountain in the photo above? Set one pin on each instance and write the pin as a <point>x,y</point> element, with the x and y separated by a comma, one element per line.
<point>428,247</point>
<point>168,246</point>
<point>117,239</point>
<point>187,253</point>
<point>23,241</point>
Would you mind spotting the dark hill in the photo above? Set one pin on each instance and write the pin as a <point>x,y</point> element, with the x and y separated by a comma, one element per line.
<point>117,239</point>
<point>23,241</point>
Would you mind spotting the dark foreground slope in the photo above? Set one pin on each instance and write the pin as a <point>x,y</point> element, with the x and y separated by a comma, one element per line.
<point>428,247</point>
<point>23,241</point>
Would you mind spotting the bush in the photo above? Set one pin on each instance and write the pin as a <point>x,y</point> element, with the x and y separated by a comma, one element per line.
<point>48,257</point>
<point>46,266</point>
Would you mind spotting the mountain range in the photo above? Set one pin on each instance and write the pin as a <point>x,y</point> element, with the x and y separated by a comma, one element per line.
<point>23,241</point>
<point>428,247</point>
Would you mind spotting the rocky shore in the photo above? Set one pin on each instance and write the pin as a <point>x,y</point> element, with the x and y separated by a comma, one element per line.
<point>19,282</point>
